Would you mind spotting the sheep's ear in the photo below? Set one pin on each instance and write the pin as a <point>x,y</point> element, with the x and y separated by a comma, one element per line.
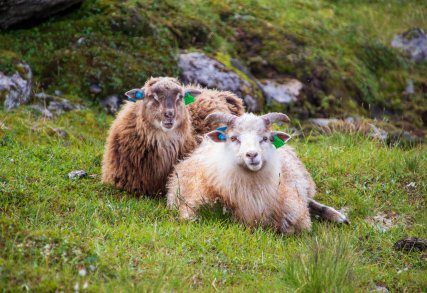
<point>216,136</point>
<point>279,139</point>
<point>135,94</point>
<point>193,92</point>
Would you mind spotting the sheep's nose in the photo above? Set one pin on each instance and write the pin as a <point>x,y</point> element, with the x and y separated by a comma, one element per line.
<point>169,114</point>
<point>251,155</point>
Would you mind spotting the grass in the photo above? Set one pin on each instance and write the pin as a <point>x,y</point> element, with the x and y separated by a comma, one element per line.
<point>52,227</point>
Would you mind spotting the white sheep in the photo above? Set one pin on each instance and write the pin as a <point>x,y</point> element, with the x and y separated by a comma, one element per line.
<point>241,168</point>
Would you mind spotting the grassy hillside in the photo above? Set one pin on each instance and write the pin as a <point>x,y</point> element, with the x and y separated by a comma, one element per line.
<point>58,234</point>
<point>52,227</point>
<point>340,50</point>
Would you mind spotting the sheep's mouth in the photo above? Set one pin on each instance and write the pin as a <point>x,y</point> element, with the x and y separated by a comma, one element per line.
<point>254,165</point>
<point>168,124</point>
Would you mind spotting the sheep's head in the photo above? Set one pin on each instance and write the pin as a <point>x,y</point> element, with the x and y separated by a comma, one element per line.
<point>163,102</point>
<point>248,139</point>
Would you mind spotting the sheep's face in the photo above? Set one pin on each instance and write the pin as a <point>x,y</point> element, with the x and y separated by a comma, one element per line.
<point>248,141</point>
<point>163,102</point>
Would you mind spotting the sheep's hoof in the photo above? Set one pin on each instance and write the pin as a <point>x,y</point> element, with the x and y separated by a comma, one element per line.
<point>340,218</point>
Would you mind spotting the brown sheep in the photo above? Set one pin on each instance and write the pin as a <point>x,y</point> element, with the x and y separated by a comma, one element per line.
<point>148,137</point>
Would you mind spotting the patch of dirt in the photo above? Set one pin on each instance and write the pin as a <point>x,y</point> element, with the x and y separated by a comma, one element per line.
<point>384,220</point>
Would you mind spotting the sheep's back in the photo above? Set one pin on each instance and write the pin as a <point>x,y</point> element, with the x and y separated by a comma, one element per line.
<point>210,101</point>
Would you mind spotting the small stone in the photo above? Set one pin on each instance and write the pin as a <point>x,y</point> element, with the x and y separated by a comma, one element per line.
<point>81,41</point>
<point>58,93</point>
<point>42,110</point>
<point>82,272</point>
<point>92,268</point>
<point>323,122</point>
<point>61,133</point>
<point>378,133</point>
<point>95,89</point>
<point>410,89</point>
<point>411,185</point>
<point>379,288</point>
<point>77,174</point>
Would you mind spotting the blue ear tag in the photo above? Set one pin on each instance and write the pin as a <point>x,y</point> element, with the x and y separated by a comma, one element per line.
<point>222,129</point>
<point>139,95</point>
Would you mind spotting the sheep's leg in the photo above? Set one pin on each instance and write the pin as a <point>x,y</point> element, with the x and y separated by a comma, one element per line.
<point>326,212</point>
<point>187,203</point>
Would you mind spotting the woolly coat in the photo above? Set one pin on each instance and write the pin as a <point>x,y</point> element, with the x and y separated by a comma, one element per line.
<point>138,157</point>
<point>276,196</point>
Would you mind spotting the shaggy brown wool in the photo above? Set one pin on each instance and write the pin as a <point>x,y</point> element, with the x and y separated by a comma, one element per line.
<point>139,153</point>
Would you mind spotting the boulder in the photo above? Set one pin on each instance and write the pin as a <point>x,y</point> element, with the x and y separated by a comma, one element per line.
<point>16,88</point>
<point>283,92</point>
<point>197,68</point>
<point>14,12</point>
<point>413,42</point>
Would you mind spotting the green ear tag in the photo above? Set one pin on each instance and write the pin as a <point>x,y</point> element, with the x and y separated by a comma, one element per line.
<point>278,142</point>
<point>188,99</point>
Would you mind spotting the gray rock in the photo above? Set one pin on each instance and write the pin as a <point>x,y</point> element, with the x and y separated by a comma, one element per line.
<point>63,105</point>
<point>60,132</point>
<point>413,42</point>
<point>43,110</point>
<point>95,89</point>
<point>410,89</point>
<point>111,104</point>
<point>285,92</point>
<point>198,68</point>
<point>81,41</point>
<point>20,11</point>
<point>51,106</point>
<point>15,90</point>
<point>381,289</point>
<point>77,174</point>
<point>58,93</point>
<point>378,133</point>
<point>323,122</point>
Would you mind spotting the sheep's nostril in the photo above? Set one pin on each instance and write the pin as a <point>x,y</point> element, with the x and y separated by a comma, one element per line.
<point>251,155</point>
<point>169,114</point>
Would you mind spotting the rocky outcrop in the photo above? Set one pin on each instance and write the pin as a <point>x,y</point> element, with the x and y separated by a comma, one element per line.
<point>13,12</point>
<point>413,43</point>
<point>16,89</point>
<point>200,69</point>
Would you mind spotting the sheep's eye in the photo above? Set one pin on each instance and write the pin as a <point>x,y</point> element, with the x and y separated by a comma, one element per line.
<point>233,138</point>
<point>265,138</point>
<point>180,96</point>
